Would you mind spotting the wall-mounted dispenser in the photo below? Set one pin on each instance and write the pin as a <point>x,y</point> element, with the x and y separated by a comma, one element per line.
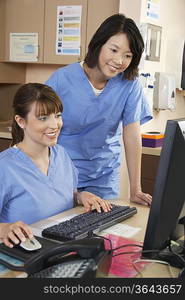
<point>152,38</point>
<point>164,91</point>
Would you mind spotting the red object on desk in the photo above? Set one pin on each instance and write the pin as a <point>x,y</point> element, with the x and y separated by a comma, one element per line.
<point>122,265</point>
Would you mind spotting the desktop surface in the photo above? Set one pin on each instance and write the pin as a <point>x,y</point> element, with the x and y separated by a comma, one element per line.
<point>136,223</point>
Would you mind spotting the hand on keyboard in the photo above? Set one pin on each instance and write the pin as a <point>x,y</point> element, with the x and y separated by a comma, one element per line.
<point>91,201</point>
<point>81,225</point>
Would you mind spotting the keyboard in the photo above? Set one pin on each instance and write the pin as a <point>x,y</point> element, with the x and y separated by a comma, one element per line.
<point>76,269</point>
<point>84,224</point>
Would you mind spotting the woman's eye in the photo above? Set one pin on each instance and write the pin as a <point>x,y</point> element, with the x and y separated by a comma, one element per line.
<point>113,50</point>
<point>42,118</point>
<point>129,56</point>
<point>59,115</point>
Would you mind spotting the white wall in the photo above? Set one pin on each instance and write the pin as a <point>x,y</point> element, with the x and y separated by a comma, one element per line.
<point>172,20</point>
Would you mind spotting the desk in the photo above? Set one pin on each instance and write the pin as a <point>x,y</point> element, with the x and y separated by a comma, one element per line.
<point>139,220</point>
<point>149,165</point>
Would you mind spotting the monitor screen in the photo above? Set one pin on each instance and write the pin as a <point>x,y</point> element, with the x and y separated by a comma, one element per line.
<point>167,208</point>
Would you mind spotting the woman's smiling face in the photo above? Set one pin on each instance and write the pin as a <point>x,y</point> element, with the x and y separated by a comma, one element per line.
<point>115,56</point>
<point>41,128</point>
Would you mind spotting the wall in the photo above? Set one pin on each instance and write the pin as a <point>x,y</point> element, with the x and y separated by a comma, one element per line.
<point>173,34</point>
<point>39,73</point>
<point>7,92</point>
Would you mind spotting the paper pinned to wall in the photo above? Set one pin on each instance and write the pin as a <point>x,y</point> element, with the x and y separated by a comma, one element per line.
<point>153,9</point>
<point>68,30</point>
<point>24,47</point>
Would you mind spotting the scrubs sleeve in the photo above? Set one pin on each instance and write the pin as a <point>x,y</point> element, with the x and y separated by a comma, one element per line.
<point>136,108</point>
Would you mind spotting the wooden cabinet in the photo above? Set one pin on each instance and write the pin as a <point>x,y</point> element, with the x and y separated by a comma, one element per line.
<point>12,73</point>
<point>149,165</point>
<point>2,28</point>
<point>33,16</point>
<point>98,11</point>
<point>4,144</point>
<point>50,31</point>
<point>24,16</point>
<point>9,73</point>
<point>93,13</point>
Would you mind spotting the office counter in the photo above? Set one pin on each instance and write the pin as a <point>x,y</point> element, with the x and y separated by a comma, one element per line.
<point>137,221</point>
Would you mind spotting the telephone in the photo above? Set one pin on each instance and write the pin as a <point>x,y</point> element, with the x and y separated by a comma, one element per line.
<point>86,254</point>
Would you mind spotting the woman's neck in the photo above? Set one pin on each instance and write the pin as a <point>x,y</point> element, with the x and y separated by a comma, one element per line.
<point>39,155</point>
<point>95,77</point>
<point>34,151</point>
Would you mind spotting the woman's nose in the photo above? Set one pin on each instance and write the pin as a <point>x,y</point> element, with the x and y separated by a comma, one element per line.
<point>119,59</point>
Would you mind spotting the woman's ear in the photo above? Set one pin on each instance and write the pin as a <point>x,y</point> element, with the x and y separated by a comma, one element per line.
<point>20,121</point>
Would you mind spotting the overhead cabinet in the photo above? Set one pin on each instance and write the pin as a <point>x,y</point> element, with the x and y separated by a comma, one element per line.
<point>41,17</point>
<point>23,17</point>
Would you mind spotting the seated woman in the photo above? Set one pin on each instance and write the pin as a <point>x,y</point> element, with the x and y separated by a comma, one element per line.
<point>37,178</point>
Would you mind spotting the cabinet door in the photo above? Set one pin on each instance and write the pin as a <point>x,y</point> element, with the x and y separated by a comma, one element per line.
<point>24,16</point>
<point>12,73</point>
<point>51,27</point>
<point>149,168</point>
<point>4,144</point>
<point>98,11</point>
<point>2,28</point>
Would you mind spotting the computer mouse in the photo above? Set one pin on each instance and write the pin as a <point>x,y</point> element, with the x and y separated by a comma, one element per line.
<point>30,244</point>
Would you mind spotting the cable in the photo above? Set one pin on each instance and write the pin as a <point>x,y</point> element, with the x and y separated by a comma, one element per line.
<point>127,245</point>
<point>150,261</point>
<point>133,252</point>
<point>175,253</point>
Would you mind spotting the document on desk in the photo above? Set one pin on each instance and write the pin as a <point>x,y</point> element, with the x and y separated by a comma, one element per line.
<point>122,230</point>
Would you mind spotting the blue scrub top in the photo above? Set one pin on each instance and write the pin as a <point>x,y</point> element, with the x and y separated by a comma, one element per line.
<point>29,195</point>
<point>92,125</point>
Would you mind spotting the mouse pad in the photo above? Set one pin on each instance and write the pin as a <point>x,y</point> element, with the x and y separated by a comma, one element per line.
<point>25,256</point>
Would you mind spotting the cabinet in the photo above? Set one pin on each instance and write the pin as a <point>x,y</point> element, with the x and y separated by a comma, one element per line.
<point>12,73</point>
<point>24,16</point>
<point>2,28</point>
<point>9,73</point>
<point>33,16</point>
<point>149,165</point>
<point>4,143</point>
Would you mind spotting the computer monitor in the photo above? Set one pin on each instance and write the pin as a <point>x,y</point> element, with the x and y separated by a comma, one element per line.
<point>168,208</point>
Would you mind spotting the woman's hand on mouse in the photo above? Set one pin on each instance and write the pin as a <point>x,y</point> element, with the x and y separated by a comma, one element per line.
<point>14,233</point>
<point>91,201</point>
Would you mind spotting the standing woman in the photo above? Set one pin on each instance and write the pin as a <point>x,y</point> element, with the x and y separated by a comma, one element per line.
<point>103,100</point>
